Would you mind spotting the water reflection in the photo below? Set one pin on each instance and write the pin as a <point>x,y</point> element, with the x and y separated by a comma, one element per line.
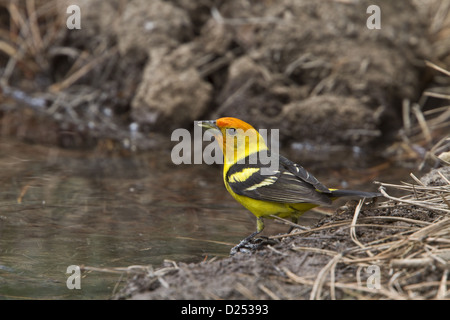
<point>60,208</point>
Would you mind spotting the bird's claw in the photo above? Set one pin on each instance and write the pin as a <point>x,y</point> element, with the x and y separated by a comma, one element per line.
<point>251,245</point>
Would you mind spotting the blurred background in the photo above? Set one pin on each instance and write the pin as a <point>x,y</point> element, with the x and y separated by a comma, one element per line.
<point>86,116</point>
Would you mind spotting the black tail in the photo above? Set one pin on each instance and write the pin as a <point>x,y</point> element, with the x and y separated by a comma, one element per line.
<point>354,193</point>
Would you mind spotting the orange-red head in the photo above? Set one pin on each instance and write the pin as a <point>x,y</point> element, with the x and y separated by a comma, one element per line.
<point>236,138</point>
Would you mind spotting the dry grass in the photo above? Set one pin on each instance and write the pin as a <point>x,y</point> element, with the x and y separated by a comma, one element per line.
<point>33,28</point>
<point>415,260</point>
<point>62,79</point>
<point>424,135</point>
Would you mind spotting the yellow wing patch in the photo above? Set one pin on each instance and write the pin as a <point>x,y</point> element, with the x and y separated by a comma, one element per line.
<point>243,175</point>
<point>266,182</point>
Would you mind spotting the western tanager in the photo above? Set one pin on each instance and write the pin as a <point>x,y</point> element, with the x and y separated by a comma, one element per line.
<point>287,190</point>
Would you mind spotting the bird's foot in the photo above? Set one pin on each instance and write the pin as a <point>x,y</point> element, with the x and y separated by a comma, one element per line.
<point>251,245</point>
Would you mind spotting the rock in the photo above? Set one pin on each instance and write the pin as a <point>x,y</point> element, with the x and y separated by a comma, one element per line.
<point>434,178</point>
<point>329,119</point>
<point>171,93</point>
<point>251,92</point>
<point>152,25</point>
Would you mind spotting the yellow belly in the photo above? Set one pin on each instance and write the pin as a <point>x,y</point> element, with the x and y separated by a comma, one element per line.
<point>266,208</point>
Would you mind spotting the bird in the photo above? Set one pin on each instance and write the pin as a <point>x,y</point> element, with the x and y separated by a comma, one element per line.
<point>286,190</point>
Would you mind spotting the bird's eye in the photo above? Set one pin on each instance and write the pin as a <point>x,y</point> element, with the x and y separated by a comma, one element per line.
<point>231,131</point>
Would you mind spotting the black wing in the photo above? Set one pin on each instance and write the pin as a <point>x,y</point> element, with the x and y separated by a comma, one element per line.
<point>289,183</point>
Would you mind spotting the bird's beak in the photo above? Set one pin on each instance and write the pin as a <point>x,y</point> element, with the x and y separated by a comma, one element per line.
<point>208,124</point>
<point>212,128</point>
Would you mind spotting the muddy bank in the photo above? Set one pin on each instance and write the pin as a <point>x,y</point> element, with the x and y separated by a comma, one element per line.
<point>138,69</point>
<point>404,243</point>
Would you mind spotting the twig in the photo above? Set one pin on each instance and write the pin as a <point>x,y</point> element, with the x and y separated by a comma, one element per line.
<point>436,67</point>
<point>442,292</point>
<point>353,226</point>
<point>422,122</point>
<point>413,202</point>
<point>319,282</point>
<point>290,223</point>
<point>56,87</point>
<point>410,263</point>
<point>269,292</point>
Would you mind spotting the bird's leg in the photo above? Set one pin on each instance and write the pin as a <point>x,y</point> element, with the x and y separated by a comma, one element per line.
<point>246,242</point>
<point>294,219</point>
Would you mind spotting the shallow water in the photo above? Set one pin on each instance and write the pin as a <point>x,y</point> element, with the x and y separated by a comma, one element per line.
<point>60,208</point>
